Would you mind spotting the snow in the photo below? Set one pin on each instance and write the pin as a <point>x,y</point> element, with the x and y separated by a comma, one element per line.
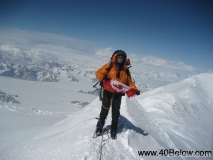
<point>176,116</point>
<point>45,96</point>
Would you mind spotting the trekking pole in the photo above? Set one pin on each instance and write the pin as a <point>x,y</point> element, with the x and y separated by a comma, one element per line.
<point>96,84</point>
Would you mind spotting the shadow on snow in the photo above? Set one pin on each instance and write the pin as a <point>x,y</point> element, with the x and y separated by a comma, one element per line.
<point>124,124</point>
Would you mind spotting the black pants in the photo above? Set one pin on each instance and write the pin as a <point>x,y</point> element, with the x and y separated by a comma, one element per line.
<point>116,103</point>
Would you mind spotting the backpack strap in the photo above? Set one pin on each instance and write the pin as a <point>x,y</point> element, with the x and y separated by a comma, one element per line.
<point>108,70</point>
<point>128,73</point>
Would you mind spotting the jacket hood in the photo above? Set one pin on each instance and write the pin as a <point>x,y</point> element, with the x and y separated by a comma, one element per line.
<point>118,53</point>
<point>121,53</point>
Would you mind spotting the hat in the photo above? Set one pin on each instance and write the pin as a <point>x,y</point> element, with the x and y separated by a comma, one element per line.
<point>121,53</point>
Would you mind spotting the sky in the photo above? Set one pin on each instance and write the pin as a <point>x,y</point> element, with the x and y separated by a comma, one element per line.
<point>172,30</point>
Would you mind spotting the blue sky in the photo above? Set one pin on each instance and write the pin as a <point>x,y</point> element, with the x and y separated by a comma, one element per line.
<point>175,30</point>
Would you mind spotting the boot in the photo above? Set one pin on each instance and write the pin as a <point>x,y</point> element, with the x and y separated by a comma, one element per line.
<point>98,132</point>
<point>113,133</point>
<point>99,128</point>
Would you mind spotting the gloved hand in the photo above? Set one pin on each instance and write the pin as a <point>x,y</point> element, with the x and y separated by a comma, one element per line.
<point>138,93</point>
<point>106,78</point>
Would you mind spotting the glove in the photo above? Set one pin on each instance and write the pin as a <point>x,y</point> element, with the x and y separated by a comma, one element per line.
<point>138,93</point>
<point>106,78</point>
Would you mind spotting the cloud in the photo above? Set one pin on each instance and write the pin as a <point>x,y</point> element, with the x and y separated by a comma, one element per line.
<point>105,52</point>
<point>47,46</point>
<point>149,60</point>
<point>11,49</point>
<point>163,63</point>
<point>27,39</point>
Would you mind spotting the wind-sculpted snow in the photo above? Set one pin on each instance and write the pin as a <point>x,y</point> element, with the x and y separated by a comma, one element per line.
<point>144,120</point>
<point>72,138</point>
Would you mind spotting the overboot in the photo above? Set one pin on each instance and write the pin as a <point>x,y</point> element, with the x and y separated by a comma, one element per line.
<point>113,133</point>
<point>114,129</point>
<point>99,127</point>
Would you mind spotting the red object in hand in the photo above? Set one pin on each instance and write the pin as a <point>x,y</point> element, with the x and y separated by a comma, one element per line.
<point>120,88</point>
<point>107,84</point>
<point>132,92</point>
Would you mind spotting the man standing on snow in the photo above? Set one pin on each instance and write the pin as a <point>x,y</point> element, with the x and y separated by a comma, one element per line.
<point>118,70</point>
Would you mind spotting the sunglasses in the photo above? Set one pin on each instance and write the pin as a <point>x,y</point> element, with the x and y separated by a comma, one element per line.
<point>120,57</point>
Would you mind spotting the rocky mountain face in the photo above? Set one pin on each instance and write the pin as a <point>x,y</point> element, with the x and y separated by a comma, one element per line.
<point>80,104</point>
<point>4,97</point>
<point>72,78</point>
<point>95,91</point>
<point>29,66</point>
<point>44,71</point>
<point>31,74</point>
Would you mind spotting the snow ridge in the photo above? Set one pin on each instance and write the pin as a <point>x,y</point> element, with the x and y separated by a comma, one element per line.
<point>148,123</point>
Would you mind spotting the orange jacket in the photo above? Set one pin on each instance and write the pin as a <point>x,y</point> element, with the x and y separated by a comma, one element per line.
<point>124,78</point>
